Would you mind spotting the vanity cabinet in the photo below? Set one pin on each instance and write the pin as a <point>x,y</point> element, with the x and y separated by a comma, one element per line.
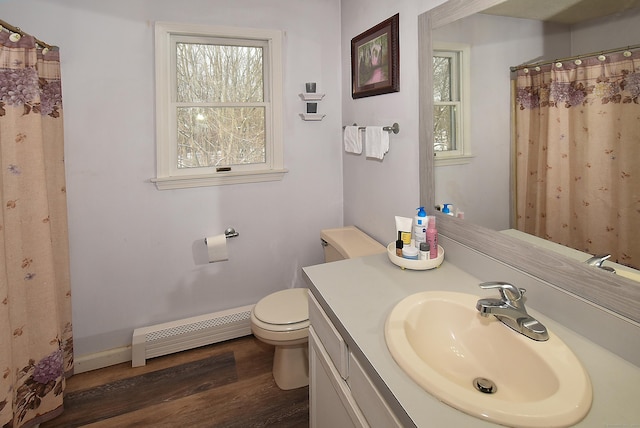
<point>341,393</point>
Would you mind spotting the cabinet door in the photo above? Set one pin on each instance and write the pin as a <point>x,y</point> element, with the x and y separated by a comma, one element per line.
<point>369,400</point>
<point>330,402</point>
<point>331,340</point>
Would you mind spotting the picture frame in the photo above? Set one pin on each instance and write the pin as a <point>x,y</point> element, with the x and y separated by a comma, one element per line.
<point>375,60</point>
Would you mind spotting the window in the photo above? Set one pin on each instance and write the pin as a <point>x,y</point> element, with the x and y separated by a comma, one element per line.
<point>451,103</point>
<point>218,105</point>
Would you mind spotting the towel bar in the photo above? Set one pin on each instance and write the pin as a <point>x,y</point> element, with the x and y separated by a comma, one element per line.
<point>395,128</point>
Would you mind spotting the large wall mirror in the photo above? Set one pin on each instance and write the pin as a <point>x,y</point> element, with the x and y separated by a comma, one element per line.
<point>482,186</point>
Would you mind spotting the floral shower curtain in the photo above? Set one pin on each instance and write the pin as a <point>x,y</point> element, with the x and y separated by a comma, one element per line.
<point>35,297</point>
<point>578,154</point>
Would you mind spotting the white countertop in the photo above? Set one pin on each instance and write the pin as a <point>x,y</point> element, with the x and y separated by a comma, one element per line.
<point>358,294</point>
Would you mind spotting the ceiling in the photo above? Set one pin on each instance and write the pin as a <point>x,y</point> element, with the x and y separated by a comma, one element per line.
<point>562,11</point>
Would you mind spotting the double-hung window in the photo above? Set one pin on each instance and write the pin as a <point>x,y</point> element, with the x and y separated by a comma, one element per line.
<point>218,105</point>
<point>451,103</point>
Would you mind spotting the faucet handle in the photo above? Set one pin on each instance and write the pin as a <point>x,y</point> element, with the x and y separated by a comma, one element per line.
<point>509,292</point>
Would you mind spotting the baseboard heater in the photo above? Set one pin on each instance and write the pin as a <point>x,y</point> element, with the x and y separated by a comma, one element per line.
<point>189,333</point>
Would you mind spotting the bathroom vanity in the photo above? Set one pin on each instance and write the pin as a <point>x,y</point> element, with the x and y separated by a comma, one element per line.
<point>354,380</point>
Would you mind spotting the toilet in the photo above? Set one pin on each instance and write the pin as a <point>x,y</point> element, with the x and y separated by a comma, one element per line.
<point>282,318</point>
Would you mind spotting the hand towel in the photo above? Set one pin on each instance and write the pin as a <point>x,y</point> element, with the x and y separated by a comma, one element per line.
<point>352,140</point>
<point>376,142</point>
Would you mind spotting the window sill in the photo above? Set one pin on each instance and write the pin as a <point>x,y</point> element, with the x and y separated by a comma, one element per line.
<point>452,160</point>
<point>219,179</point>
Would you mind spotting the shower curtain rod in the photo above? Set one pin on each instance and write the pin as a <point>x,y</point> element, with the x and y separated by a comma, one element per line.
<point>571,58</point>
<point>14,29</point>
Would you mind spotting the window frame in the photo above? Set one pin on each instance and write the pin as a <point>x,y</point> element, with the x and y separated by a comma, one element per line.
<point>462,154</point>
<point>168,175</point>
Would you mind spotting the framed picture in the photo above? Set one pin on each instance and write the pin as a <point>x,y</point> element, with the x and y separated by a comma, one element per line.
<point>375,60</point>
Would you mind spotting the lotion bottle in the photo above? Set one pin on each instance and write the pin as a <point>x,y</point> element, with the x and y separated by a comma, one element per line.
<point>432,238</point>
<point>446,209</point>
<point>420,227</point>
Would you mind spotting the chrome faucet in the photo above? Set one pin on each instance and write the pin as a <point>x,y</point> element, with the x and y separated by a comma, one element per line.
<point>510,310</point>
<point>598,260</point>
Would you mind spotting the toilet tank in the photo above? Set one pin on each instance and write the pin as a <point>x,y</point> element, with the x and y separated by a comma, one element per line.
<point>347,243</point>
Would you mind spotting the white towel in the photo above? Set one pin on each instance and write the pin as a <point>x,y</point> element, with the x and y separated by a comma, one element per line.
<point>352,140</point>
<point>376,142</point>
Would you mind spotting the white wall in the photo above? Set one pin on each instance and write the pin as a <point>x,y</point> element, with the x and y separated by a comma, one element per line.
<point>615,31</point>
<point>134,248</point>
<point>376,191</point>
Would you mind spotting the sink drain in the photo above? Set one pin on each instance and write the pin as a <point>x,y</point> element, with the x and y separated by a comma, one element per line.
<point>484,385</point>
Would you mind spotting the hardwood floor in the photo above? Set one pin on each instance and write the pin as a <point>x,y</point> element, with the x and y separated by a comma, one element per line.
<point>227,384</point>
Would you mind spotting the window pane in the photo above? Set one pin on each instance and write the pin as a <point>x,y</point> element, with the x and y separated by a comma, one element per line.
<point>442,78</point>
<point>444,120</point>
<point>208,73</point>
<point>220,136</point>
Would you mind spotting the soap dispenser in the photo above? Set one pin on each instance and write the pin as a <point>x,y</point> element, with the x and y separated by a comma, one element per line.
<point>446,210</point>
<point>420,227</point>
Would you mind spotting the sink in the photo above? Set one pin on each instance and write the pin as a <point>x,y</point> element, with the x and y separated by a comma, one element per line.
<point>482,367</point>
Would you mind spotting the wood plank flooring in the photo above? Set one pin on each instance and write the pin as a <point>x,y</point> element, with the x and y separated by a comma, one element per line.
<point>227,384</point>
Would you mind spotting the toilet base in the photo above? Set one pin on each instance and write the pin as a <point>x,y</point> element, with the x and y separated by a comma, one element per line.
<point>291,366</point>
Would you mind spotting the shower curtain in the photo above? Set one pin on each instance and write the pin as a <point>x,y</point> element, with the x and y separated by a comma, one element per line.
<point>35,297</point>
<point>577,130</point>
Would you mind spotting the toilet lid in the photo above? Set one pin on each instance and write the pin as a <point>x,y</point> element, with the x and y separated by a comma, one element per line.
<point>283,307</point>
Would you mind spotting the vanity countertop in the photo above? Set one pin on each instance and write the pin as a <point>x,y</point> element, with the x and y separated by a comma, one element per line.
<point>358,294</point>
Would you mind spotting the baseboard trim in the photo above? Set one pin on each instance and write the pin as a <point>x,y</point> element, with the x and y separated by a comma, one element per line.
<point>101,359</point>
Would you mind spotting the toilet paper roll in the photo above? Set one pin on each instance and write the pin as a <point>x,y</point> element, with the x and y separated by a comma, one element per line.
<point>217,248</point>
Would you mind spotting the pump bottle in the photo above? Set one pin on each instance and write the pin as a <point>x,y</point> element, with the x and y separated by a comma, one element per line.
<point>420,227</point>
<point>447,209</point>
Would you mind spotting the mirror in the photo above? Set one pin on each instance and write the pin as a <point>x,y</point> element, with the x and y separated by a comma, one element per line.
<point>570,28</point>
<point>576,277</point>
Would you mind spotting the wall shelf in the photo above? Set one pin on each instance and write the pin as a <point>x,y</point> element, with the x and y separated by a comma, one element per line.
<point>311,96</point>
<point>312,116</point>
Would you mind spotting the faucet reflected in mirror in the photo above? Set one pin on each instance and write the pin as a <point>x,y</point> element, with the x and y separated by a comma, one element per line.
<point>551,208</point>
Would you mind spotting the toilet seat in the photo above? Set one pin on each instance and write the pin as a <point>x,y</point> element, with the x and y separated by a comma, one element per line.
<point>284,310</point>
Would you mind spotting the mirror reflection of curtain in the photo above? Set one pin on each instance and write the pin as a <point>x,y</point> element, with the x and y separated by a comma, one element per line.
<point>578,154</point>
<point>35,298</point>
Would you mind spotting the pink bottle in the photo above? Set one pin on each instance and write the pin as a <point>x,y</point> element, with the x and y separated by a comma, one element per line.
<point>432,238</point>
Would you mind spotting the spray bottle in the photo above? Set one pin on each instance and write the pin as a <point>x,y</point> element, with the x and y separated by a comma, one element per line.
<point>432,238</point>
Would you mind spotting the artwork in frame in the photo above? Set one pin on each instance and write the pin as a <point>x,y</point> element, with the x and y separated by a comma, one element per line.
<point>375,60</point>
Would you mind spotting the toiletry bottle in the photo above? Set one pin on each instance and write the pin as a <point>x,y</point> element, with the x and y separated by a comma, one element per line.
<point>446,209</point>
<point>424,251</point>
<point>410,252</point>
<point>420,227</point>
<point>432,238</point>
<point>399,245</point>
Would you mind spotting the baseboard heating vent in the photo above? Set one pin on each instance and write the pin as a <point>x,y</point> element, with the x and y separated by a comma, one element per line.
<point>189,333</point>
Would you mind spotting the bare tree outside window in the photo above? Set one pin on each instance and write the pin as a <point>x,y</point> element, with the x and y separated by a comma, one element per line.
<point>221,114</point>
<point>444,113</point>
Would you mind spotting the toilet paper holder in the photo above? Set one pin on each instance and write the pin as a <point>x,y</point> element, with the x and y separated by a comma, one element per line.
<point>229,233</point>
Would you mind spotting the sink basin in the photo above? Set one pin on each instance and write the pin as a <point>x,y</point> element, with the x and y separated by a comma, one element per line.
<point>482,367</point>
